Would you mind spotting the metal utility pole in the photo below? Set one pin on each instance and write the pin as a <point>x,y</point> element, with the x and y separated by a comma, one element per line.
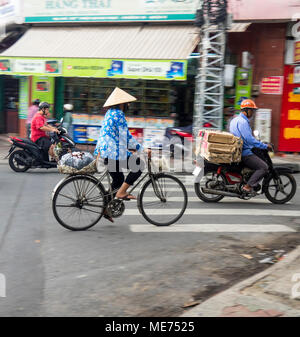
<point>209,89</point>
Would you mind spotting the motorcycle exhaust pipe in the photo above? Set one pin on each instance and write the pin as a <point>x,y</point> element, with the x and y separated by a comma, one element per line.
<point>218,192</point>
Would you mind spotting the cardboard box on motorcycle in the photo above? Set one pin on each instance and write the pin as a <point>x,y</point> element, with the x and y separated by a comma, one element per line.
<point>219,147</point>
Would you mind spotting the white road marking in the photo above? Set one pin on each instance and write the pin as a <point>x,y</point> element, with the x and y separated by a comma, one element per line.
<point>221,211</point>
<point>211,228</point>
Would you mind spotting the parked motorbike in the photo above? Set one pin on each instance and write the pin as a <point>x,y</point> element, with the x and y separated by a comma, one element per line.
<point>177,137</point>
<point>30,155</point>
<point>220,180</point>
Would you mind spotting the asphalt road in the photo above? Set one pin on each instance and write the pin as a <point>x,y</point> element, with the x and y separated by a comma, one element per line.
<point>129,268</point>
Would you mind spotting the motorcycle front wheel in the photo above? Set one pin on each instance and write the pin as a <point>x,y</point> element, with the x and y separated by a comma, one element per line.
<point>282,189</point>
<point>15,161</point>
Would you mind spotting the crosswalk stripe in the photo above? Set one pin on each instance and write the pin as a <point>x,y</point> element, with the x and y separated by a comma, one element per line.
<point>210,228</point>
<point>216,211</point>
<point>226,199</point>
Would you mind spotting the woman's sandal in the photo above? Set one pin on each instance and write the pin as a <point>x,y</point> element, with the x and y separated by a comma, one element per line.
<point>127,197</point>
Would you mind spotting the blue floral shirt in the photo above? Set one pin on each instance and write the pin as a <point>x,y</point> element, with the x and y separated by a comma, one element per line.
<point>115,139</point>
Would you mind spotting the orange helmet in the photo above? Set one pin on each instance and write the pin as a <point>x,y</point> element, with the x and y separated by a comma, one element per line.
<point>248,104</point>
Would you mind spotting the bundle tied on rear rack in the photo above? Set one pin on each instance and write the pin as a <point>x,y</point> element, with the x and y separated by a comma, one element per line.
<point>219,147</point>
<point>77,163</point>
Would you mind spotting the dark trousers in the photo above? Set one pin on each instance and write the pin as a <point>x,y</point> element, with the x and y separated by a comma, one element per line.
<point>133,163</point>
<point>257,164</point>
<point>44,143</point>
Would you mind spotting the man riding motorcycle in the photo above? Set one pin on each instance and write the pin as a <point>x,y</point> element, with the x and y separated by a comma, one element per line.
<point>240,127</point>
<point>39,127</point>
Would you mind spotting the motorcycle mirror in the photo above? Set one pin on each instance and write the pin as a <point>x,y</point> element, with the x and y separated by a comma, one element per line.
<point>256,134</point>
<point>68,107</point>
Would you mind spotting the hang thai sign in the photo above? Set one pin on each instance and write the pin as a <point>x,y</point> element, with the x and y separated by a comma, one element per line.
<point>108,10</point>
<point>103,68</point>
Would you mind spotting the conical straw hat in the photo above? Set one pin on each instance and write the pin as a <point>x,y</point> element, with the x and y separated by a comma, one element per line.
<point>118,96</point>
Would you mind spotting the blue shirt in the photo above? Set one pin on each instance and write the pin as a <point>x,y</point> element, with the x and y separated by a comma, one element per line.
<point>240,127</point>
<point>115,138</point>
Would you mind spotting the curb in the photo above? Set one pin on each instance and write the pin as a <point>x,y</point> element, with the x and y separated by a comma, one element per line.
<point>220,300</point>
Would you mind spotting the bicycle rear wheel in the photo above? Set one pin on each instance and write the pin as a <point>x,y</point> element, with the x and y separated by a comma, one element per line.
<point>79,202</point>
<point>163,200</point>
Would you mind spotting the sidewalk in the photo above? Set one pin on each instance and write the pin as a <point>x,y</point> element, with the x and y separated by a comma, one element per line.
<point>275,292</point>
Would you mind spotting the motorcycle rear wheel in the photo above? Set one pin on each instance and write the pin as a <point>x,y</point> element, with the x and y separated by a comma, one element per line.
<point>204,183</point>
<point>16,165</point>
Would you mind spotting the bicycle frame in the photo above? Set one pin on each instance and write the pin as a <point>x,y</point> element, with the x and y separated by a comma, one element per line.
<point>149,173</point>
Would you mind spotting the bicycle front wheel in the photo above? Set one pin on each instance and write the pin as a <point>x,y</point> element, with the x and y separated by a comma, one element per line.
<point>162,200</point>
<point>79,202</point>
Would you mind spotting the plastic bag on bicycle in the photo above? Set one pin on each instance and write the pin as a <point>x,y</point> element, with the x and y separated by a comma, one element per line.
<point>77,162</point>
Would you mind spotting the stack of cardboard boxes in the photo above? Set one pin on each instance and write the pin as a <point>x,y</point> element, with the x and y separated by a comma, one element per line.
<point>219,147</point>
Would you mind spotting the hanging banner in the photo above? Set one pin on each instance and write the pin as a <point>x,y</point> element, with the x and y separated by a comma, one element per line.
<point>271,85</point>
<point>23,97</point>
<point>289,139</point>
<point>108,10</point>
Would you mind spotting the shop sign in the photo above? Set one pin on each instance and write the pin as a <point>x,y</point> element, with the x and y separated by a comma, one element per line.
<point>98,68</point>
<point>108,10</point>
<point>289,139</point>
<point>297,51</point>
<point>271,85</point>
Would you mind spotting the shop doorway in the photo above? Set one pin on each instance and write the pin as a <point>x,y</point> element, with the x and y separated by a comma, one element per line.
<point>11,104</point>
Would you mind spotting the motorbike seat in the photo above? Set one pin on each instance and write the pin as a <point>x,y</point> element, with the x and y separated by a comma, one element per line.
<point>30,142</point>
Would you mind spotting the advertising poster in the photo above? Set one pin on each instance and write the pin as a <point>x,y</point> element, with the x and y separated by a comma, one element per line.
<point>243,85</point>
<point>109,10</point>
<point>289,139</point>
<point>263,124</point>
<point>43,89</point>
<point>297,51</point>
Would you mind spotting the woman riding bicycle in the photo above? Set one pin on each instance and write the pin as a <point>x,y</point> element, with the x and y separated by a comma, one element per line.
<point>116,145</point>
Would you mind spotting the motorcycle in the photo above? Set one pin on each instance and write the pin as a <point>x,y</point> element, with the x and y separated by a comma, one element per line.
<point>221,180</point>
<point>178,136</point>
<point>30,154</point>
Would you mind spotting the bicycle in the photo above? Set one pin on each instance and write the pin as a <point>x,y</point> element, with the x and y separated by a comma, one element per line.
<point>85,199</point>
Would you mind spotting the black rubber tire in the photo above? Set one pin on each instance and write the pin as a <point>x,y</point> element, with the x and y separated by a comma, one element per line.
<point>12,164</point>
<point>202,196</point>
<point>142,193</point>
<point>289,197</point>
<point>69,180</point>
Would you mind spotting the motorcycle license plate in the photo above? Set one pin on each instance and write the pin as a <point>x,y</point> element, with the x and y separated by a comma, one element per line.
<point>10,151</point>
<point>196,171</point>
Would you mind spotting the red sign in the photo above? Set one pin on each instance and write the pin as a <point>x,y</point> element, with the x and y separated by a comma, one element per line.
<point>297,51</point>
<point>271,85</point>
<point>289,139</point>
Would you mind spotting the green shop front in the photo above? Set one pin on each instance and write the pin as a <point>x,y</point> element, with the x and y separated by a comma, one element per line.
<point>151,64</point>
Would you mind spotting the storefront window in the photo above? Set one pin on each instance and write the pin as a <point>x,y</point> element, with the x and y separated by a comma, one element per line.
<point>154,98</point>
